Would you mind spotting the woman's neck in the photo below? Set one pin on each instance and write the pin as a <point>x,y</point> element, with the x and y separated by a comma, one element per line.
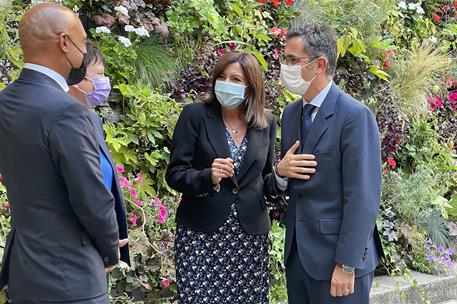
<point>235,114</point>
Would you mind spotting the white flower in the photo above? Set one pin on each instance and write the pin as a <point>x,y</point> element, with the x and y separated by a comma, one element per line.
<point>433,39</point>
<point>129,28</point>
<point>125,41</point>
<point>102,29</point>
<point>122,9</point>
<point>420,10</point>
<point>402,5</point>
<point>412,6</point>
<point>142,32</point>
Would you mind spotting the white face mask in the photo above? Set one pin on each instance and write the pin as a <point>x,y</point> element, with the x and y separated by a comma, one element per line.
<point>293,81</point>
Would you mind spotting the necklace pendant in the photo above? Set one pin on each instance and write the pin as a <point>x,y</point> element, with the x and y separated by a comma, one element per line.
<point>235,131</point>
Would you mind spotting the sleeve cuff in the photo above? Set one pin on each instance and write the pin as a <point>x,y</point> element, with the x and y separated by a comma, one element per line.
<point>281,182</point>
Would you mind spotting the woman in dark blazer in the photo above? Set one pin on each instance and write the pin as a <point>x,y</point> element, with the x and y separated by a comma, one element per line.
<point>91,92</point>
<point>222,162</point>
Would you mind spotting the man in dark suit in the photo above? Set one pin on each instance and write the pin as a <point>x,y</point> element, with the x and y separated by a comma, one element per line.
<point>64,234</point>
<point>332,245</point>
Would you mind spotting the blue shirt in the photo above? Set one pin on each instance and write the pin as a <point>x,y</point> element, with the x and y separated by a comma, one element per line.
<point>107,171</point>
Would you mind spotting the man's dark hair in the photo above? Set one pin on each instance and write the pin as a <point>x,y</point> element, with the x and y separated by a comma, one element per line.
<point>318,40</point>
<point>94,54</point>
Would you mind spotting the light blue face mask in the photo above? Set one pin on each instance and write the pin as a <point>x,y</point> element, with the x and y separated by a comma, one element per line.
<point>229,94</point>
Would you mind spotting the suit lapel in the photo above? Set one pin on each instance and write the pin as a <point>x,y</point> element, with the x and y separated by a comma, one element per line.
<point>295,125</point>
<point>320,124</point>
<point>255,140</point>
<point>215,129</point>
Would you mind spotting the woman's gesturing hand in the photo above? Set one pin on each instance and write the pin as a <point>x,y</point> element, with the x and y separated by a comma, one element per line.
<point>221,168</point>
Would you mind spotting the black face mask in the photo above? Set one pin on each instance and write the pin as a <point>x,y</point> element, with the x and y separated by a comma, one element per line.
<point>76,74</point>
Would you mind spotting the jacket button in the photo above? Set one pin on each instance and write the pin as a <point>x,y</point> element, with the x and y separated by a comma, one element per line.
<point>235,191</point>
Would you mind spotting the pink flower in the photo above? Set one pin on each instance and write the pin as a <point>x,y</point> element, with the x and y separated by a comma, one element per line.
<point>447,8</point>
<point>437,18</point>
<point>453,96</point>
<point>434,102</point>
<point>233,46</point>
<point>283,32</point>
<point>388,53</point>
<point>220,52</point>
<point>276,54</point>
<point>384,171</point>
<point>134,193</point>
<point>138,203</point>
<point>166,283</point>
<point>120,169</point>
<point>139,179</point>
<point>450,82</point>
<point>1,179</point>
<point>6,205</point>
<point>124,182</point>
<point>157,202</point>
<point>275,31</point>
<point>133,219</point>
<point>162,216</point>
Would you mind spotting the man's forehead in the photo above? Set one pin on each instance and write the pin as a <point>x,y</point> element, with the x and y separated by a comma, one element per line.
<point>294,47</point>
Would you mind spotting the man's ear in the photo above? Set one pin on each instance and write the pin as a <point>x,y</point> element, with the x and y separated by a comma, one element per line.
<point>322,64</point>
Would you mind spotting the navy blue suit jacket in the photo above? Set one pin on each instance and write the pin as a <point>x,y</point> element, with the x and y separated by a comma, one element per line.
<point>334,213</point>
<point>116,190</point>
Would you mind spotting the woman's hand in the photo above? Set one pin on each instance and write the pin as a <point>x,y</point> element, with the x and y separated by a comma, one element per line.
<point>221,168</point>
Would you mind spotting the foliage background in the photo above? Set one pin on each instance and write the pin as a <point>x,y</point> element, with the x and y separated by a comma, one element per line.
<point>397,57</point>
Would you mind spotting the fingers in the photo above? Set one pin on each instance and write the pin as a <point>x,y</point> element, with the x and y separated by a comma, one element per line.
<point>109,269</point>
<point>333,289</point>
<point>294,148</point>
<point>223,167</point>
<point>296,167</point>
<point>309,157</point>
<point>123,242</point>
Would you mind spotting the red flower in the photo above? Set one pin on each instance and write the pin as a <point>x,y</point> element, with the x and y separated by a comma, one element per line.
<point>436,18</point>
<point>262,1</point>
<point>289,2</point>
<point>283,32</point>
<point>455,4</point>
<point>384,171</point>
<point>233,46</point>
<point>275,3</point>
<point>388,52</point>
<point>391,163</point>
<point>6,205</point>
<point>220,52</point>
<point>386,63</point>
<point>166,283</point>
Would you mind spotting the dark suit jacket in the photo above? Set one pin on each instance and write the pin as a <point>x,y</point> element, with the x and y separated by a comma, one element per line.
<point>334,213</point>
<point>116,190</point>
<point>63,223</point>
<point>198,139</point>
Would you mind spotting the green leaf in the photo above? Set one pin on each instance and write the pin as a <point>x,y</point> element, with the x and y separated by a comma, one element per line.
<point>236,9</point>
<point>375,70</point>
<point>260,58</point>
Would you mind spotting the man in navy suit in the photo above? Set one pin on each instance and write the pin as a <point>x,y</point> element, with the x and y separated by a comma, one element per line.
<point>332,245</point>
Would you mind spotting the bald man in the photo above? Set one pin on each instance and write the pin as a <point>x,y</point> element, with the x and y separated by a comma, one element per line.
<point>64,233</point>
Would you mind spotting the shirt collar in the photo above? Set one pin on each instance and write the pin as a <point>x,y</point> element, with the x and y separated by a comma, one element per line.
<point>50,73</point>
<point>319,99</point>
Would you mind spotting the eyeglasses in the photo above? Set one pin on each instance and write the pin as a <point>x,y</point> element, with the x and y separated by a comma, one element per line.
<point>292,60</point>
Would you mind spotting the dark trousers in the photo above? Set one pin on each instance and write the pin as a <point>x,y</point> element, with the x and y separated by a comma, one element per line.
<point>97,300</point>
<point>303,289</point>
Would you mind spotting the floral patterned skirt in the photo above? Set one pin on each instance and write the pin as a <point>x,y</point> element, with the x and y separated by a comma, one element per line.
<point>226,266</point>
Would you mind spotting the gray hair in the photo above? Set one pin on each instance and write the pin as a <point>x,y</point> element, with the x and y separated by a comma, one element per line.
<point>318,40</point>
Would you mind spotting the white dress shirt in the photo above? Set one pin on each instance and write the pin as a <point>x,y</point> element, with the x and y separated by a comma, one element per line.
<point>50,73</point>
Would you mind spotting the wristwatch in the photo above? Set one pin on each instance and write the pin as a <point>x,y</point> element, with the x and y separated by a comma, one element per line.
<point>347,269</point>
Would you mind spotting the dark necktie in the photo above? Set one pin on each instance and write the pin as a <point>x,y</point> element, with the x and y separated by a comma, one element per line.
<point>306,122</point>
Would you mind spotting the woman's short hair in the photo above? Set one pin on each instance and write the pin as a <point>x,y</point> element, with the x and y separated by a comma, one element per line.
<point>254,105</point>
